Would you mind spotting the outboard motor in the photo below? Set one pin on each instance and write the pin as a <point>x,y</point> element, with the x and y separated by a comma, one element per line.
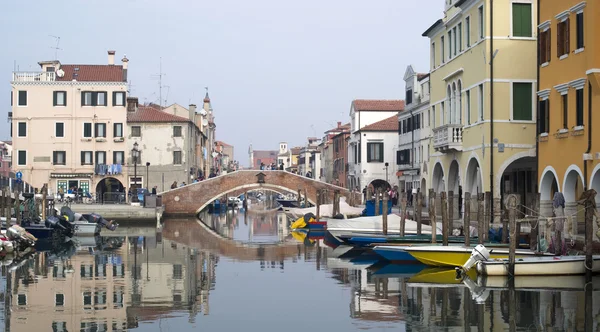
<point>98,219</point>
<point>18,233</point>
<point>54,222</point>
<point>479,253</point>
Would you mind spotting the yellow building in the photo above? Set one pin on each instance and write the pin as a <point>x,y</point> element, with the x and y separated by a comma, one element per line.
<point>569,84</point>
<point>466,156</point>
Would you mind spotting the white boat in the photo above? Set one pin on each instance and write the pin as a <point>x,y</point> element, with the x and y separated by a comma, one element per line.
<point>325,210</point>
<point>539,266</point>
<point>537,283</point>
<point>374,225</point>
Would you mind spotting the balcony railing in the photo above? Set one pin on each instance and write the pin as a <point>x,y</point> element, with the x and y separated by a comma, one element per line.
<point>448,137</point>
<point>37,76</point>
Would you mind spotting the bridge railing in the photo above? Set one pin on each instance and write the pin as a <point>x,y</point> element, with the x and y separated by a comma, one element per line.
<point>114,198</point>
<point>12,184</point>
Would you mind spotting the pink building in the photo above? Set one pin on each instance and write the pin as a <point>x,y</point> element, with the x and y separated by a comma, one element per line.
<point>5,159</point>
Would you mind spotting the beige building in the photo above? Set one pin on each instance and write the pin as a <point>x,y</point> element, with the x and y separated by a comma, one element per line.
<point>69,125</point>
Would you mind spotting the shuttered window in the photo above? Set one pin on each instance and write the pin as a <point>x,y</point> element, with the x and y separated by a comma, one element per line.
<point>579,105</point>
<point>521,15</point>
<point>565,111</point>
<point>87,158</point>
<point>544,41</point>
<point>562,38</point>
<point>60,129</point>
<point>544,117</point>
<point>59,98</point>
<point>522,100</point>
<point>87,130</point>
<point>580,30</point>
<point>22,98</point>
<point>375,152</point>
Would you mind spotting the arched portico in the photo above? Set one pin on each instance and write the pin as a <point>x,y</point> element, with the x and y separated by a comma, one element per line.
<point>572,189</point>
<point>548,187</point>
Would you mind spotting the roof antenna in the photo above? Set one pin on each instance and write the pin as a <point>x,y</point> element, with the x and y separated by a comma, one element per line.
<point>56,48</point>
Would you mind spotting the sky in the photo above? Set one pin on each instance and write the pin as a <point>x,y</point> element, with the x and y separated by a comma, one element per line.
<point>275,70</point>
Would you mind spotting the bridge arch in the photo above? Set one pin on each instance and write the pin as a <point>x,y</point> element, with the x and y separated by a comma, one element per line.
<point>191,199</point>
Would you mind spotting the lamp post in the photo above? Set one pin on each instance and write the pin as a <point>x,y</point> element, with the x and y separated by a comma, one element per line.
<point>386,172</point>
<point>147,178</point>
<point>135,154</point>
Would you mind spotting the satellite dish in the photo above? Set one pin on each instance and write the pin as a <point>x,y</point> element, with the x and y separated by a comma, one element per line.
<point>204,122</point>
<point>203,112</point>
<point>60,73</point>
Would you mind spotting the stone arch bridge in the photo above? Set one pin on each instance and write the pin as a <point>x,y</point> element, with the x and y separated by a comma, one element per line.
<point>193,198</point>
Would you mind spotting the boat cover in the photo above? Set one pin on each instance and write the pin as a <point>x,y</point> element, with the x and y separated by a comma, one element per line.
<point>326,210</point>
<point>375,224</point>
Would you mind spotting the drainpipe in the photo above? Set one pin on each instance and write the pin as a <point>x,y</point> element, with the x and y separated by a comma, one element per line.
<point>412,132</point>
<point>492,108</point>
<point>537,140</point>
<point>589,132</point>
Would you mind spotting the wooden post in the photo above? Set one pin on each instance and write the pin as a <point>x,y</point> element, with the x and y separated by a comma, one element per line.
<point>336,201</point>
<point>505,223</point>
<point>17,205</point>
<point>432,216</point>
<point>488,214</point>
<point>1,202</point>
<point>299,197</point>
<point>377,202</point>
<point>318,208</point>
<point>445,220</point>
<point>588,200</point>
<point>7,206</point>
<point>533,235</point>
<point>419,211</point>
<point>384,214</point>
<point>245,200</point>
<point>451,208</point>
<point>480,218</point>
<point>369,194</point>
<point>511,206</point>
<point>305,199</point>
<point>403,213</point>
<point>467,220</point>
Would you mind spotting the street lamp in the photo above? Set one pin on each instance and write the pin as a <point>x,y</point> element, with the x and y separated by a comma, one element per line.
<point>147,178</point>
<point>135,154</point>
<point>386,172</point>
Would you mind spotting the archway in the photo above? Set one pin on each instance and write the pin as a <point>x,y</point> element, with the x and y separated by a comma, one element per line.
<point>548,185</point>
<point>423,186</point>
<point>595,182</point>
<point>473,178</point>
<point>520,177</point>
<point>110,190</point>
<point>572,189</point>
<point>379,184</point>
<point>455,187</point>
<point>438,184</point>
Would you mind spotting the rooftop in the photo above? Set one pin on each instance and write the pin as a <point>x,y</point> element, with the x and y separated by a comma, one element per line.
<point>151,114</point>
<point>389,124</point>
<point>92,73</point>
<point>378,105</point>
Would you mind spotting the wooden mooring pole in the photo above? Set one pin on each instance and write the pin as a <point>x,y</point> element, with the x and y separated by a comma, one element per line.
<point>318,207</point>
<point>445,220</point>
<point>432,216</point>
<point>385,215</point>
<point>467,220</point>
<point>533,235</point>
<point>44,201</point>
<point>511,206</point>
<point>18,204</point>
<point>588,200</point>
<point>305,199</point>
<point>403,213</point>
<point>419,211</point>
<point>336,202</point>
<point>299,197</point>
<point>480,218</point>
<point>377,192</point>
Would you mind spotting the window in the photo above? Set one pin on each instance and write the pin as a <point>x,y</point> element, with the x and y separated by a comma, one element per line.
<point>87,158</point>
<point>443,49</point>
<point>579,109</point>
<point>460,45</point>
<point>100,157</point>
<point>432,55</point>
<point>176,131</point>
<point>468,31</point>
<point>59,300</point>
<point>544,117</point>
<point>521,20</point>
<point>87,129</point>
<point>522,101</point>
<point>93,98</point>
<point>119,157</point>
<point>87,298</point>
<point>177,158</point>
<point>481,22</point>
<point>433,116</point>
<point>409,95</point>
<point>562,36</point>
<point>59,98</point>
<point>118,98</point>
<point>100,130</point>
<point>480,108</point>
<point>455,36</point>
<point>177,271</point>
<point>22,299</point>
<point>565,109</point>
<point>579,19</point>
<point>468,106</point>
<point>21,158</point>
<point>136,131</point>
<point>59,158</point>
<point>449,44</point>
<point>22,129</point>
<point>403,157</point>
<point>375,152</point>
<point>22,98</point>
<point>59,130</point>
<point>117,129</point>
<point>545,46</point>
<point>59,327</point>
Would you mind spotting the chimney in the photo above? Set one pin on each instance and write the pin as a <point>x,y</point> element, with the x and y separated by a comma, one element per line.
<point>111,57</point>
<point>193,113</point>
<point>339,124</point>
<point>125,61</point>
<point>132,104</point>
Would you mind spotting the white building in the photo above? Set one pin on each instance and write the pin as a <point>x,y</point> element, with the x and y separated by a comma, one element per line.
<point>373,142</point>
<point>414,133</point>
<point>285,155</point>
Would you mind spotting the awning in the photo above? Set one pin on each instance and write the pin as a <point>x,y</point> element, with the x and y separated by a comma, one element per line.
<point>70,175</point>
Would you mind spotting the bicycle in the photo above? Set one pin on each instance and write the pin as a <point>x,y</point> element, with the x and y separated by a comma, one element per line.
<point>89,198</point>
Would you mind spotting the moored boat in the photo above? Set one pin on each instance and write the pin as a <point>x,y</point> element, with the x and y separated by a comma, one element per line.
<point>374,226</point>
<point>539,266</point>
<point>456,256</point>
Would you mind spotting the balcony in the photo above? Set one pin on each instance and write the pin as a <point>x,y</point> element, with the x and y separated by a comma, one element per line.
<point>33,76</point>
<point>448,137</point>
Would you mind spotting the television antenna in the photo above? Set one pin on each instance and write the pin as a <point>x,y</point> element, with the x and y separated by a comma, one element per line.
<point>159,76</point>
<point>56,48</point>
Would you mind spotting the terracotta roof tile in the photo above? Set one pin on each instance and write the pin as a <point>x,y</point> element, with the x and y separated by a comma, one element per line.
<point>389,124</point>
<point>92,73</point>
<point>421,76</point>
<point>151,114</point>
<point>378,105</point>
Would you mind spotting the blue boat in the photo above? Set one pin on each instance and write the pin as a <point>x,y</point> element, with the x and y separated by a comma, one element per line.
<point>394,254</point>
<point>367,258</point>
<point>399,270</point>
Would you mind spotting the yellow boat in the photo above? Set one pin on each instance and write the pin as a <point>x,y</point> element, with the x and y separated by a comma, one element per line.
<point>438,276</point>
<point>454,256</point>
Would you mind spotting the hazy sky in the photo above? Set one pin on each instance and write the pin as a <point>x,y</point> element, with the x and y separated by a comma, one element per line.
<point>276,70</point>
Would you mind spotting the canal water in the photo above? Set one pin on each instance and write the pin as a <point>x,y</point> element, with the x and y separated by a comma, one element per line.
<point>247,273</point>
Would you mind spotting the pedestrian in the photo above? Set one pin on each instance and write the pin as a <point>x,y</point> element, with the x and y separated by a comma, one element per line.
<point>174,185</point>
<point>154,190</point>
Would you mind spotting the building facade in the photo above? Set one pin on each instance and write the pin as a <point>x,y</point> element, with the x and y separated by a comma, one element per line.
<point>339,152</point>
<point>285,156</point>
<point>309,160</point>
<point>6,159</point>
<point>166,144</point>
<point>373,140</point>
<point>569,86</point>
<point>481,144</point>
<point>69,126</point>
<point>414,133</point>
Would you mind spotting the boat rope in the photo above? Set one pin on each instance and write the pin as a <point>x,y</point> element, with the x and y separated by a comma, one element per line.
<point>588,267</point>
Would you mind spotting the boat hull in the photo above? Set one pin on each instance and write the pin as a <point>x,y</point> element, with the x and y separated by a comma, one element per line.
<point>394,254</point>
<point>86,229</point>
<point>288,203</point>
<point>540,266</point>
<point>453,256</point>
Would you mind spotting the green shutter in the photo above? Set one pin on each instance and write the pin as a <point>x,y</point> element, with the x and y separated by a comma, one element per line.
<point>54,98</point>
<point>522,101</point>
<point>521,18</point>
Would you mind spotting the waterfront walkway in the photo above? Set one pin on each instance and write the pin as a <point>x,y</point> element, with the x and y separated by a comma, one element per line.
<point>120,211</point>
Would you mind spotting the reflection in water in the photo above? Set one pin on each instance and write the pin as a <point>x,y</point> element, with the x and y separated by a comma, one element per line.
<point>168,281</point>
